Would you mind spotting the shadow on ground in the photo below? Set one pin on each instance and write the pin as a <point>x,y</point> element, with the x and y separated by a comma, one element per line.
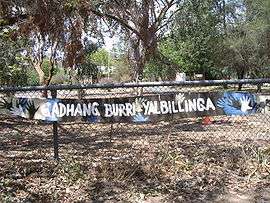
<point>162,162</point>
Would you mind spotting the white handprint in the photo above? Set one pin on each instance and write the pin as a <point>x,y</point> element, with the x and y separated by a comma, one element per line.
<point>179,97</point>
<point>245,104</point>
<point>139,104</point>
<point>18,111</point>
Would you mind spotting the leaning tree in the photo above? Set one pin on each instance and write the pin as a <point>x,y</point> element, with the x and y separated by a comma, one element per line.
<point>143,23</point>
<point>59,25</point>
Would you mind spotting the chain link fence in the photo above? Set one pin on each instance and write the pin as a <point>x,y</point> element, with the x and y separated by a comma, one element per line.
<point>218,142</point>
<point>91,137</point>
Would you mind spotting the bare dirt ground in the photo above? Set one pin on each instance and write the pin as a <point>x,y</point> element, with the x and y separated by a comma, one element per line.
<point>180,161</point>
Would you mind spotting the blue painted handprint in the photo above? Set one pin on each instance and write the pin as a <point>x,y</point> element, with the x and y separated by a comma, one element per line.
<point>140,118</point>
<point>237,103</point>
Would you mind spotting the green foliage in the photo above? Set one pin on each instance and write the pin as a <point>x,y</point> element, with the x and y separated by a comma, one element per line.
<point>194,38</point>
<point>174,51</point>
<point>155,71</point>
<point>15,66</point>
<point>101,57</point>
<point>218,39</point>
<point>122,69</point>
<point>71,170</point>
<point>46,66</point>
<point>13,63</point>
<point>61,77</point>
<point>71,5</point>
<point>32,79</point>
<point>89,67</point>
<point>247,45</point>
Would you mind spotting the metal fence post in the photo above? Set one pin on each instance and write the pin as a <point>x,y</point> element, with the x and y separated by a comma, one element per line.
<point>55,131</point>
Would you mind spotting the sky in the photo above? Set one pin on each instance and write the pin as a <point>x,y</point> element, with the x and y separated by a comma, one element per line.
<point>109,42</point>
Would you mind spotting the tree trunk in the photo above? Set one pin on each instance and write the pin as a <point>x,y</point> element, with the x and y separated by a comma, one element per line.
<point>259,88</point>
<point>268,42</point>
<point>42,80</point>
<point>136,58</point>
<point>41,76</point>
<point>224,17</point>
<point>138,75</point>
<point>49,79</point>
<point>240,76</point>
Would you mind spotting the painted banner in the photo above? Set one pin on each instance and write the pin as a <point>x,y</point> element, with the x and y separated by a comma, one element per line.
<point>136,109</point>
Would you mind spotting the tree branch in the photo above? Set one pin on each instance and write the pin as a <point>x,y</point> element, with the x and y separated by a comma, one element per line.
<point>11,20</point>
<point>163,12</point>
<point>120,21</point>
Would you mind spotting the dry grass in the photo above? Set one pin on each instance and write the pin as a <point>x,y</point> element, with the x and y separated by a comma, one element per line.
<point>182,161</point>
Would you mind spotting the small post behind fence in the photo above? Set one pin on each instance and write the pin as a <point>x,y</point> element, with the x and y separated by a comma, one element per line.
<point>55,131</point>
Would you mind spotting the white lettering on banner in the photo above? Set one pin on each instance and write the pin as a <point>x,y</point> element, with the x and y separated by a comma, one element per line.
<point>108,110</point>
<point>70,109</point>
<point>210,105</point>
<point>201,104</point>
<point>129,109</point>
<point>174,110</point>
<point>192,105</point>
<point>161,107</point>
<point>45,109</point>
<point>87,109</point>
<point>94,109</point>
<point>55,110</point>
<point>180,109</point>
<point>170,107</point>
<point>62,110</point>
<point>78,110</point>
<point>122,109</point>
<point>164,107</point>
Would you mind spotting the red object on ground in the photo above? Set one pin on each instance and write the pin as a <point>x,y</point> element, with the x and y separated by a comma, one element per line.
<point>207,120</point>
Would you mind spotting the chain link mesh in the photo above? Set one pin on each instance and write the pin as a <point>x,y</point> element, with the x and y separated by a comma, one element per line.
<point>253,127</point>
<point>172,153</point>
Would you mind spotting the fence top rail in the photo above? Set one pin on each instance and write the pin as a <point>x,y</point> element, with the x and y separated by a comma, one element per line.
<point>134,85</point>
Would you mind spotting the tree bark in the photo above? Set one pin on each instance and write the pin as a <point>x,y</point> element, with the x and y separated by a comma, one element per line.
<point>42,79</point>
<point>240,76</point>
<point>40,72</point>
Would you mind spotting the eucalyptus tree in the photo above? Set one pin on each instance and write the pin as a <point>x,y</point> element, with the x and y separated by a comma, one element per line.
<point>13,63</point>
<point>247,42</point>
<point>54,27</point>
<point>143,22</point>
<point>197,32</point>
